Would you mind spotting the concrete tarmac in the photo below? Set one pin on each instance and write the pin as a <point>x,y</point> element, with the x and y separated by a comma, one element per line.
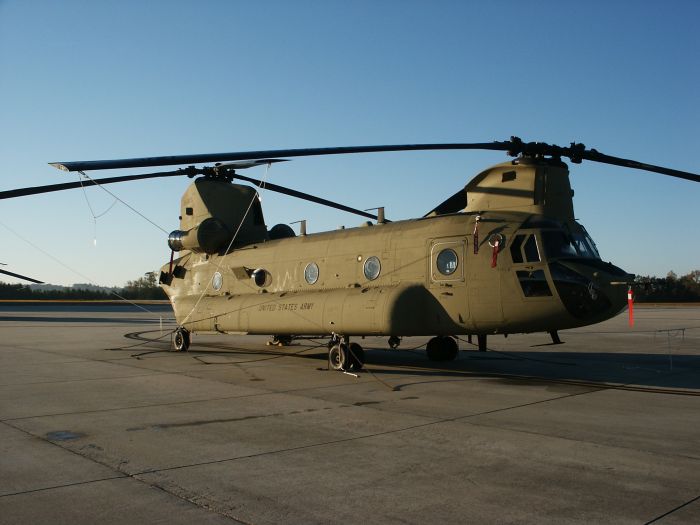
<point>101,423</point>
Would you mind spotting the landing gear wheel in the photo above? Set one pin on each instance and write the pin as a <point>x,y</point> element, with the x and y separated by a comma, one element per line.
<point>357,356</point>
<point>451,348</point>
<point>280,340</point>
<point>181,341</point>
<point>394,342</point>
<point>338,357</point>
<point>442,348</point>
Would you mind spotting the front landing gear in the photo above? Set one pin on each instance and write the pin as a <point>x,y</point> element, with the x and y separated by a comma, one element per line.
<point>442,348</point>
<point>345,356</point>
<point>555,337</point>
<point>181,341</point>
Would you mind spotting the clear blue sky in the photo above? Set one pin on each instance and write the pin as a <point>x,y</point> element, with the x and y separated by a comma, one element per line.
<point>84,80</point>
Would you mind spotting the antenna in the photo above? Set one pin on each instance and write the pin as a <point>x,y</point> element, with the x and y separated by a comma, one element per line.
<point>302,226</point>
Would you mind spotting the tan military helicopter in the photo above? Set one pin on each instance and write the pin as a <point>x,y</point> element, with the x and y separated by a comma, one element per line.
<point>502,255</point>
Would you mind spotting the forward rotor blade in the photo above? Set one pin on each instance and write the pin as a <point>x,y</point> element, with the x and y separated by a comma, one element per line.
<point>626,163</point>
<point>21,192</point>
<point>267,154</point>
<point>18,276</point>
<point>578,152</point>
<point>304,196</point>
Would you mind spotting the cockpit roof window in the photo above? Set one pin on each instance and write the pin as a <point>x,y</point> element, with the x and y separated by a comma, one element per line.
<point>585,246</point>
<point>538,221</point>
<point>559,244</point>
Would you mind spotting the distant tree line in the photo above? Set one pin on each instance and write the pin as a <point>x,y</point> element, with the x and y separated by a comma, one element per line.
<point>647,289</point>
<point>668,289</point>
<point>144,288</point>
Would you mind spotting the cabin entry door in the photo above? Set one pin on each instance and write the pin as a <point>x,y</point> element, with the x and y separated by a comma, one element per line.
<point>447,273</point>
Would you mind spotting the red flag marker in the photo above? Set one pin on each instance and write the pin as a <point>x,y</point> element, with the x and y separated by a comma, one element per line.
<point>494,257</point>
<point>630,305</point>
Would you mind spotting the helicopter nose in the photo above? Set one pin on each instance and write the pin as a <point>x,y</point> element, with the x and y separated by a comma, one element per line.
<point>591,290</point>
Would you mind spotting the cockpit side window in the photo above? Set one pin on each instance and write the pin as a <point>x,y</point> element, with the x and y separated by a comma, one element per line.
<point>532,254</point>
<point>515,252</point>
<point>524,249</point>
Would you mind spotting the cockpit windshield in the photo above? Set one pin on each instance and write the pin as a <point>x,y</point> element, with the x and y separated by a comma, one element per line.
<point>560,244</point>
<point>585,245</point>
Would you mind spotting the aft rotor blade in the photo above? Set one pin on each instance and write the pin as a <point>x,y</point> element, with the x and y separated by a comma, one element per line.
<point>21,192</point>
<point>18,276</point>
<point>453,204</point>
<point>266,154</point>
<point>304,196</point>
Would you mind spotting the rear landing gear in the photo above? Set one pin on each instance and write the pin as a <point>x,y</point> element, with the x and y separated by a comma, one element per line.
<point>280,340</point>
<point>442,348</point>
<point>394,342</point>
<point>181,341</point>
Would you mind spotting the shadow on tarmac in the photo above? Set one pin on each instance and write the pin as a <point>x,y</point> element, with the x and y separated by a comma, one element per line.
<point>653,370</point>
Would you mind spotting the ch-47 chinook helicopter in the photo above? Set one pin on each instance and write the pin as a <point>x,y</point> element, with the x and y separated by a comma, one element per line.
<point>502,255</point>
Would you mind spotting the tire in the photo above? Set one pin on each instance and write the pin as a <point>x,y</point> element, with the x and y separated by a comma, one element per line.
<point>442,348</point>
<point>280,340</point>
<point>338,357</point>
<point>181,340</point>
<point>433,349</point>
<point>451,348</point>
<point>285,340</point>
<point>357,356</point>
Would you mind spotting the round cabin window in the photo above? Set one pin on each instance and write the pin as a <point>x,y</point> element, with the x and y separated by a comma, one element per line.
<point>261,277</point>
<point>447,261</point>
<point>311,273</point>
<point>372,268</point>
<point>217,281</point>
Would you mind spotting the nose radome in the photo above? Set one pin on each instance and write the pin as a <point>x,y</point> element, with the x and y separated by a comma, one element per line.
<point>591,291</point>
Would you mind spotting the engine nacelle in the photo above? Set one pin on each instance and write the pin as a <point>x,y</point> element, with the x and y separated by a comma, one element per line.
<point>210,236</point>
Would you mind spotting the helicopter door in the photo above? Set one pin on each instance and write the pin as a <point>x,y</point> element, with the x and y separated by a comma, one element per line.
<point>447,278</point>
<point>485,290</point>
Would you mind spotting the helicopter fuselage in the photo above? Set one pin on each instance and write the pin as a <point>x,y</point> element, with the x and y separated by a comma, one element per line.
<point>407,278</point>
